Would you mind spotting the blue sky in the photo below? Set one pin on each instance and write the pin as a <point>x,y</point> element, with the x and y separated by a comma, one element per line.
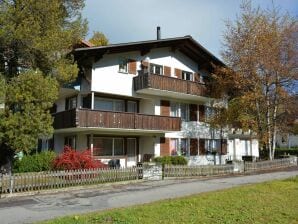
<point>136,20</point>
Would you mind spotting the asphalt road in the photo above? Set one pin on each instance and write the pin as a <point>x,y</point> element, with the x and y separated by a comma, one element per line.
<point>41,207</point>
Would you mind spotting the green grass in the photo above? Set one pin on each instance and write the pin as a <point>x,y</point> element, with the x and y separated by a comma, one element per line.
<point>270,202</point>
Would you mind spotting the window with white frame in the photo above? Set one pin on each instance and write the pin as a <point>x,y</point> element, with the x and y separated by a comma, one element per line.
<point>179,147</point>
<point>187,75</point>
<point>123,65</point>
<point>212,145</point>
<point>184,112</point>
<point>105,146</point>
<point>175,109</point>
<point>180,110</point>
<point>174,146</point>
<point>156,69</point>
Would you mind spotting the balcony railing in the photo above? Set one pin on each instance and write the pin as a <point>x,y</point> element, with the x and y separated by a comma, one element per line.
<point>144,81</point>
<point>109,119</point>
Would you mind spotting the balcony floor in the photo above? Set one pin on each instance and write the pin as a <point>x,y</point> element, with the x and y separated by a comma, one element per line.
<point>111,131</point>
<point>174,95</point>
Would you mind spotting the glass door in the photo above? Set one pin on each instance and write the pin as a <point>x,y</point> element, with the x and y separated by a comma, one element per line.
<point>131,152</point>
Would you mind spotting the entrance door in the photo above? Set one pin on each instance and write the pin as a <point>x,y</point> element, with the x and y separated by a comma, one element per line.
<point>131,152</point>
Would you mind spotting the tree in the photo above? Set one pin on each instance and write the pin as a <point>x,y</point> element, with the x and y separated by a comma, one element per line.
<point>40,35</point>
<point>261,54</point>
<point>99,39</point>
<point>36,39</point>
<point>28,99</point>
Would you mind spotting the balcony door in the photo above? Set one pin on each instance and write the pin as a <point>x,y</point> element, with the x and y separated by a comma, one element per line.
<point>131,151</point>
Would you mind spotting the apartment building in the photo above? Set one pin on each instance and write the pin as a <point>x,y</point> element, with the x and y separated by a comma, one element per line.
<point>138,100</point>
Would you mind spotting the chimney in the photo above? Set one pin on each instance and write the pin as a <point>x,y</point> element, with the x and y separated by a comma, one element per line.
<point>158,33</point>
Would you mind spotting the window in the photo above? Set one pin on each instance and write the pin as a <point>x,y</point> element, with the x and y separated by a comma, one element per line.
<point>174,146</point>
<point>187,76</point>
<point>180,110</point>
<point>109,104</point>
<point>132,106</point>
<point>118,105</point>
<point>212,145</point>
<point>131,147</point>
<point>70,141</point>
<point>108,146</point>
<point>174,109</point>
<point>184,147</point>
<point>210,112</point>
<point>71,103</point>
<point>179,147</point>
<point>118,147</point>
<point>123,65</point>
<point>156,69</point>
<point>184,112</point>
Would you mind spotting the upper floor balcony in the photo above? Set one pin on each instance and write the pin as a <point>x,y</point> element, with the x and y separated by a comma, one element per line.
<point>107,120</point>
<point>169,86</point>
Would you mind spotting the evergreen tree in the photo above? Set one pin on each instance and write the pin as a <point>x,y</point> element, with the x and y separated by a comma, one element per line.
<point>36,39</point>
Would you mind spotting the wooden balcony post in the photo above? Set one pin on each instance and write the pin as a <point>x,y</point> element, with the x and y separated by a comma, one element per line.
<point>92,100</point>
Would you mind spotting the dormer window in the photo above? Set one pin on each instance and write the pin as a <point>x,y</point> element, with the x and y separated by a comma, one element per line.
<point>156,69</point>
<point>123,65</point>
<point>187,76</point>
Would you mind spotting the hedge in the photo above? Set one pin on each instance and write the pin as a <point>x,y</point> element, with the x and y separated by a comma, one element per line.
<point>35,163</point>
<point>174,160</point>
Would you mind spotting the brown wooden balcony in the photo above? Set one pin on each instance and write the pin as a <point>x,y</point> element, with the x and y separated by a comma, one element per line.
<point>160,82</point>
<point>87,118</point>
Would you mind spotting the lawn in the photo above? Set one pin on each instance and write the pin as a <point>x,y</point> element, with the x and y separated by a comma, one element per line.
<point>270,202</point>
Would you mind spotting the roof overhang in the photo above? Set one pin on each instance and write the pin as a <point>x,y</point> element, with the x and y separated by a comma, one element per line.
<point>186,45</point>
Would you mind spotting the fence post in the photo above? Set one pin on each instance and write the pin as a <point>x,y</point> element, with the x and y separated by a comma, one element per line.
<point>162,171</point>
<point>11,182</point>
<point>1,182</point>
<point>140,171</point>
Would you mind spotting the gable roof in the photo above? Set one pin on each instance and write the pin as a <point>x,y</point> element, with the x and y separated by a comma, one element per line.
<point>187,45</point>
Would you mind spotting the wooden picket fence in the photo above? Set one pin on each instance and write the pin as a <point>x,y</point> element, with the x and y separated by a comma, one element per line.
<point>192,171</point>
<point>266,165</point>
<point>23,182</point>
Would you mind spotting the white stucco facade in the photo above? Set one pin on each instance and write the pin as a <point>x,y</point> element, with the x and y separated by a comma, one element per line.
<point>103,80</point>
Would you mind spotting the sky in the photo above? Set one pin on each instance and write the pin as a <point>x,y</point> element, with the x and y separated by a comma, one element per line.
<point>136,20</point>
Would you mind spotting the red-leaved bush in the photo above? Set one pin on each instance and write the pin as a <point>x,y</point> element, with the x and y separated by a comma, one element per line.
<point>71,159</point>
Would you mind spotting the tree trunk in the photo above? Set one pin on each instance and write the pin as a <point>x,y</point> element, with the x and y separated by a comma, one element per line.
<point>268,123</point>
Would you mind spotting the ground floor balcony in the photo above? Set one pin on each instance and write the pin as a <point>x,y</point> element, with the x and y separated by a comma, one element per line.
<point>98,119</point>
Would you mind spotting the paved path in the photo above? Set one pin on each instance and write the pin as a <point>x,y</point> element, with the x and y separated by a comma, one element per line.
<point>40,207</point>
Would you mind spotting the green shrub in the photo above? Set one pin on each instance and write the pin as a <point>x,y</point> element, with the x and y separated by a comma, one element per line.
<point>293,151</point>
<point>174,160</point>
<point>35,163</point>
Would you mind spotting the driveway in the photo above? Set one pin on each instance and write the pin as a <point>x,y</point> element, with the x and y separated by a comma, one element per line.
<point>41,207</point>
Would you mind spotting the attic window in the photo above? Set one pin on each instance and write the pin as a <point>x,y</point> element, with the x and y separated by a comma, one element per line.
<point>187,76</point>
<point>123,65</point>
<point>156,69</point>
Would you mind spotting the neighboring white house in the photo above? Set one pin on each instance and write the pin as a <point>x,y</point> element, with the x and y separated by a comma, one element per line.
<point>138,100</point>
